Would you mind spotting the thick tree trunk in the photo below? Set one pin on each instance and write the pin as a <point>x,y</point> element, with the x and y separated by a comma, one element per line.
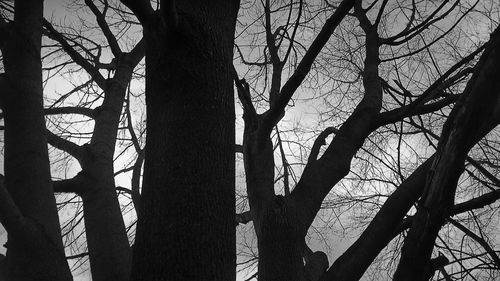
<point>34,249</point>
<point>280,242</point>
<point>280,236</point>
<point>187,205</point>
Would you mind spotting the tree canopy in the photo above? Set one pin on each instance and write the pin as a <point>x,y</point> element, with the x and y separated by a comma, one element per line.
<point>240,140</point>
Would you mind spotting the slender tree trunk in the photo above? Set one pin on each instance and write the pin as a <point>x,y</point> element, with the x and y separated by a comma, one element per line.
<point>187,229</point>
<point>34,249</point>
<point>109,250</point>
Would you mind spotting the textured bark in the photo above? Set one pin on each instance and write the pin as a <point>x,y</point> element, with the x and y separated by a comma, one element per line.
<point>479,104</point>
<point>352,264</point>
<point>258,156</point>
<point>280,235</point>
<point>281,242</point>
<point>109,251</point>
<point>34,249</point>
<point>187,204</point>
<point>281,223</point>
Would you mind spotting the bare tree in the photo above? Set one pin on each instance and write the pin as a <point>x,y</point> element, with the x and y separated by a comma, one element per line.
<point>27,204</point>
<point>106,236</point>
<point>281,222</point>
<point>478,104</point>
<point>403,145</point>
<point>187,230</point>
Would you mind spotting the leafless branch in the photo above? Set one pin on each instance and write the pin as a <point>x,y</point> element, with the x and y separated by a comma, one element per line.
<point>101,21</point>
<point>141,8</point>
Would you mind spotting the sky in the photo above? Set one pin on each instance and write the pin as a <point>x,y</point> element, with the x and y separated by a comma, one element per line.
<point>302,113</point>
<point>54,9</point>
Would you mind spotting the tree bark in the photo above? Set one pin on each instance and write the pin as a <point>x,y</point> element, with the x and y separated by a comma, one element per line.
<point>281,242</point>
<point>479,104</point>
<point>281,223</point>
<point>280,233</point>
<point>34,250</point>
<point>109,250</point>
<point>352,264</point>
<point>186,231</point>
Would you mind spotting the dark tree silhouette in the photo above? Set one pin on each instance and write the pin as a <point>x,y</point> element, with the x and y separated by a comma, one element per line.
<point>474,115</point>
<point>281,222</point>
<point>108,246</point>
<point>186,230</point>
<point>27,204</point>
<point>397,70</point>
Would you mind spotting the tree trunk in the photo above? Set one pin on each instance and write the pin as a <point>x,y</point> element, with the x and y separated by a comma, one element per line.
<point>188,200</point>
<point>352,264</point>
<point>109,250</point>
<point>34,250</point>
<point>475,113</point>
<point>280,242</point>
<point>280,237</point>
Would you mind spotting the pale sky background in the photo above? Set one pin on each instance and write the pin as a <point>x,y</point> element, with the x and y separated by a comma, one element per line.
<point>299,113</point>
<point>302,112</point>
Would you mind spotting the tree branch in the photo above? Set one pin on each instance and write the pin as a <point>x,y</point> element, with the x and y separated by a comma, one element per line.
<point>431,92</point>
<point>101,21</point>
<point>137,53</point>
<point>74,185</point>
<point>273,51</point>
<point>286,166</point>
<point>294,32</point>
<point>477,203</point>
<point>75,56</point>
<point>65,145</point>
<point>70,110</point>
<point>483,171</point>
<point>461,131</point>
<point>411,31</point>
<point>278,108</point>
<point>133,136</point>
<point>436,263</point>
<point>243,218</point>
<point>398,114</point>
<point>141,8</point>
<point>319,178</point>
<point>320,141</point>
<point>478,239</point>
<point>355,260</point>
<point>380,12</point>
<point>238,148</point>
<point>249,113</point>
<point>135,182</point>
